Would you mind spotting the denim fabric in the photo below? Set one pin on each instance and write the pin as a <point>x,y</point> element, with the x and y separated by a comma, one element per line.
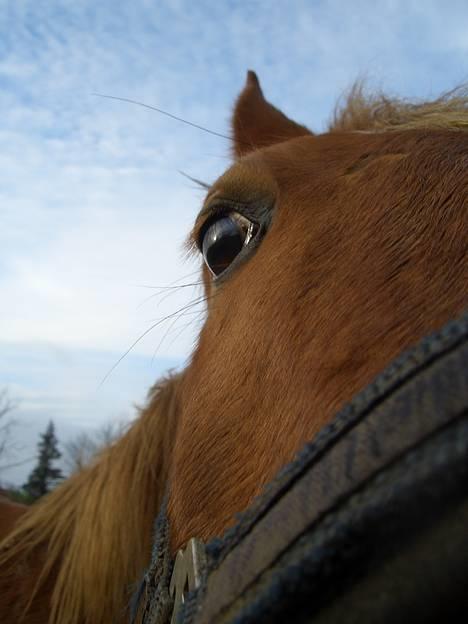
<point>152,604</point>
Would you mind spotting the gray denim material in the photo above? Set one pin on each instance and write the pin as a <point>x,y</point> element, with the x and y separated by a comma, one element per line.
<point>151,603</point>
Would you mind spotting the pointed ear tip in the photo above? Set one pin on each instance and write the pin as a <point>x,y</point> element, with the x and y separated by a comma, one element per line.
<point>252,79</point>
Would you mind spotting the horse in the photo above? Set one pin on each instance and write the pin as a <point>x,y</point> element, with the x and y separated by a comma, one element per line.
<point>323,257</point>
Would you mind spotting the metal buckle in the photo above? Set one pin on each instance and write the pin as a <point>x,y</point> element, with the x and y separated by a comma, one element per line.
<point>186,575</point>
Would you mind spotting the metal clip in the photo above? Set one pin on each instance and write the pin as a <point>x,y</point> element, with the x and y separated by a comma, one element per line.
<point>186,575</point>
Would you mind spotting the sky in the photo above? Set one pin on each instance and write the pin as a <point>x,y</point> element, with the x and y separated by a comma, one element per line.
<point>94,208</point>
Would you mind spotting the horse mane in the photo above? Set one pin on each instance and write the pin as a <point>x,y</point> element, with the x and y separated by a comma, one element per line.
<point>360,110</point>
<point>93,532</point>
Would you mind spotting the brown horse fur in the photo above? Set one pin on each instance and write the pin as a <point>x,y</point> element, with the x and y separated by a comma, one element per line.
<point>257,123</point>
<point>10,513</point>
<point>77,553</point>
<point>365,254</point>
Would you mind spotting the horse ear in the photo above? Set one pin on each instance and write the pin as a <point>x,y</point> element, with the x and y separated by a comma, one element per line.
<point>256,123</point>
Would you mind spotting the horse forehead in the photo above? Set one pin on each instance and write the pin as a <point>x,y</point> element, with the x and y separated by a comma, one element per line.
<point>338,158</point>
<point>248,179</point>
<point>266,168</point>
<point>313,163</point>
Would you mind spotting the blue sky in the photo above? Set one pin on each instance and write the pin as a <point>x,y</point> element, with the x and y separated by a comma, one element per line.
<point>92,204</point>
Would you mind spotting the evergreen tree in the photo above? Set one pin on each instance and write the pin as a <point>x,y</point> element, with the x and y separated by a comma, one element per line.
<point>45,476</point>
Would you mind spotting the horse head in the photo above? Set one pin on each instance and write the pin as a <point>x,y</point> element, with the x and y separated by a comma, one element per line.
<point>324,256</point>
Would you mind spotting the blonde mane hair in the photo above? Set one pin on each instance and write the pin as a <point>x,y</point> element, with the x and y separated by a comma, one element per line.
<point>359,110</point>
<point>97,526</point>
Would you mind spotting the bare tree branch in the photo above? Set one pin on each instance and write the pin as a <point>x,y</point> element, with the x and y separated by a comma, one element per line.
<point>82,450</point>
<point>18,463</point>
<point>7,423</point>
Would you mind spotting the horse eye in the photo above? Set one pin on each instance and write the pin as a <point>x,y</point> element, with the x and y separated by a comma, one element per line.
<point>224,239</point>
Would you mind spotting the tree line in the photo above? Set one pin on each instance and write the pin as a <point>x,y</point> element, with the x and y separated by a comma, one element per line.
<point>48,472</point>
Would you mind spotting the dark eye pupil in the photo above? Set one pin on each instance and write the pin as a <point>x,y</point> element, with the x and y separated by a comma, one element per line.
<point>222,241</point>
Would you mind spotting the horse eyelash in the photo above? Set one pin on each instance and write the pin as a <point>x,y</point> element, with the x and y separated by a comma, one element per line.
<point>199,300</point>
<point>204,185</point>
<point>163,112</point>
<point>200,183</point>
